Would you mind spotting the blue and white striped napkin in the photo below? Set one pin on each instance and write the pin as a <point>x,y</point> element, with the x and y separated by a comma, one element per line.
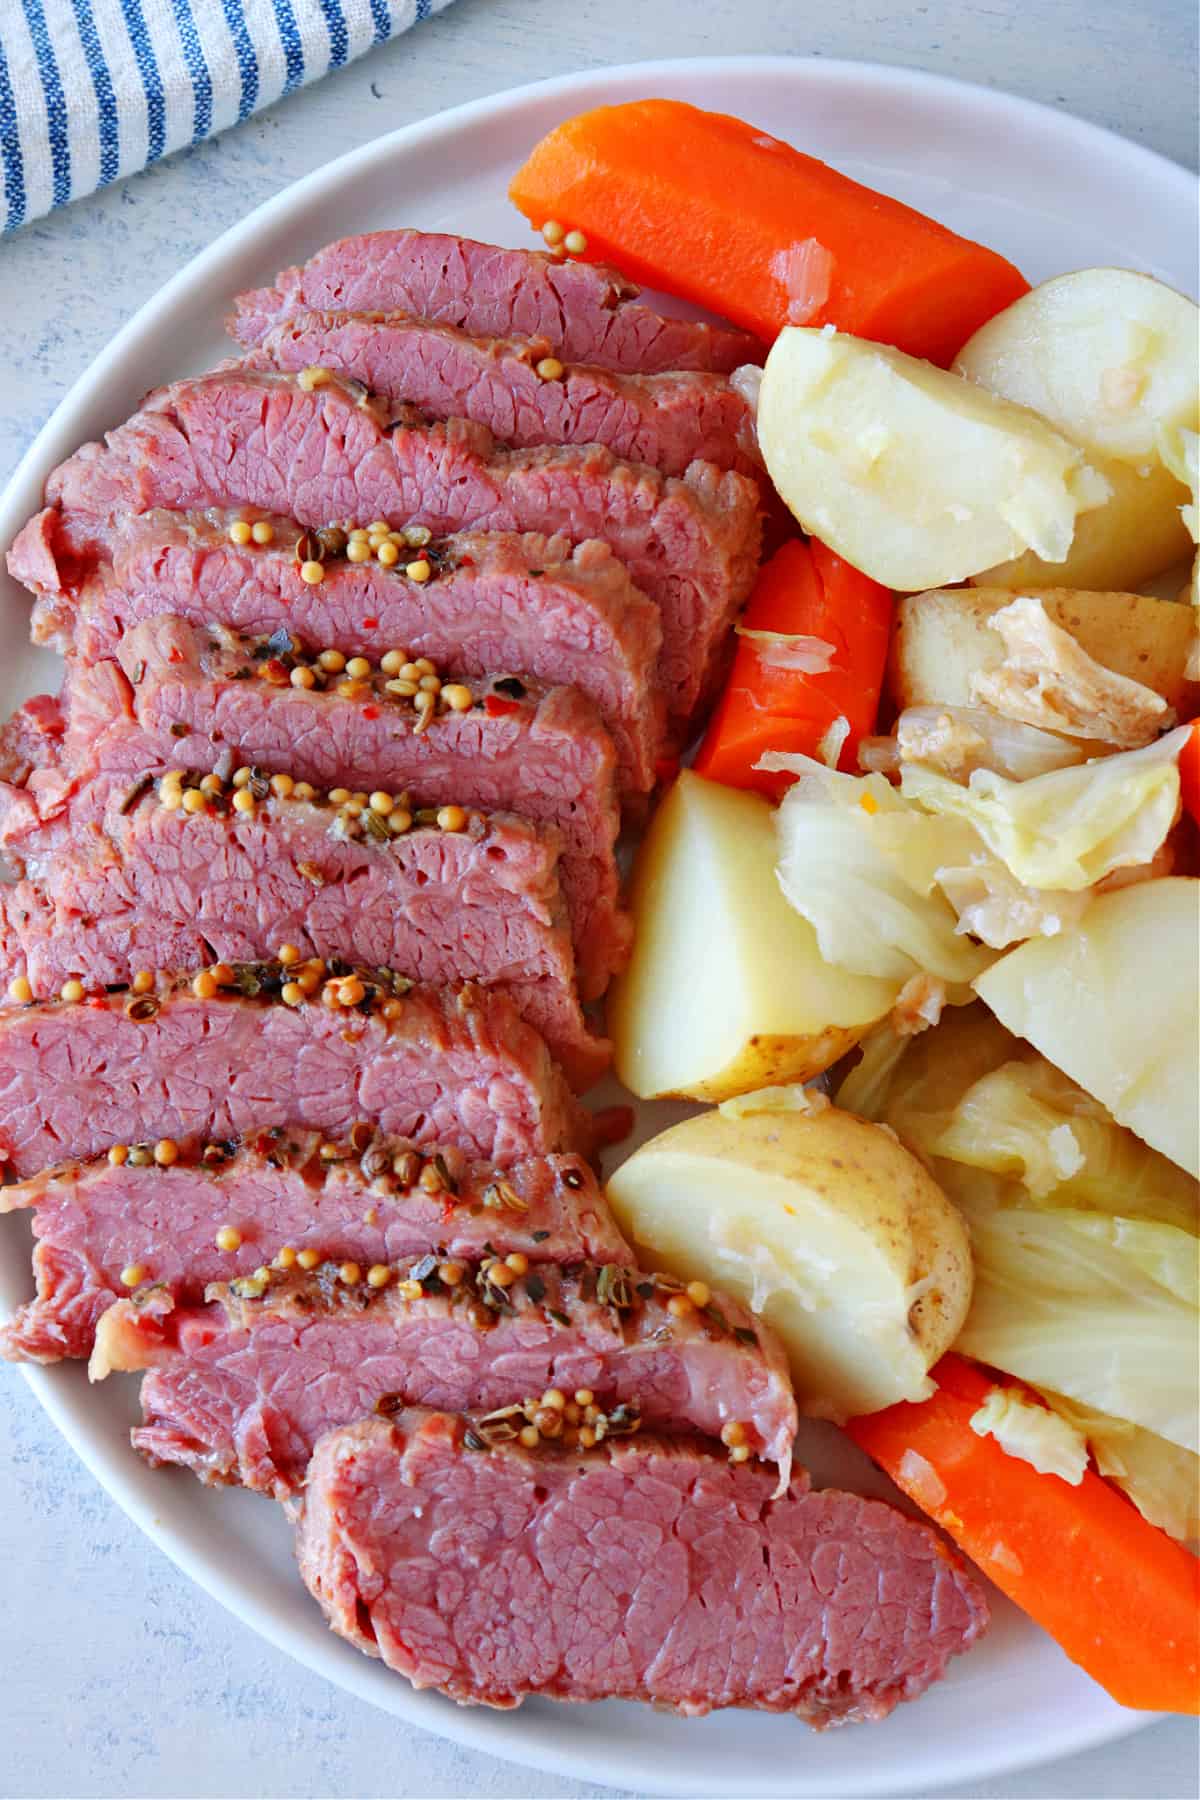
<point>92,90</point>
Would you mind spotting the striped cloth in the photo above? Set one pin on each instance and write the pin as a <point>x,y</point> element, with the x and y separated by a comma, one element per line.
<point>92,90</point>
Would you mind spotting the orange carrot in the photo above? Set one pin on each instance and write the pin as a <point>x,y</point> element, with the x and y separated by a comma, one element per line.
<point>1120,1596</point>
<point>708,207</point>
<point>807,591</point>
<point>1189,772</point>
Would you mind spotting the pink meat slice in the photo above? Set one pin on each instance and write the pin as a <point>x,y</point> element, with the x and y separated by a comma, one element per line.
<point>459,1067</point>
<point>524,603</point>
<point>329,456</point>
<point>666,420</point>
<point>115,887</point>
<point>646,1569</point>
<point>93,1221</point>
<point>186,699</point>
<point>588,312</point>
<point>241,1390</point>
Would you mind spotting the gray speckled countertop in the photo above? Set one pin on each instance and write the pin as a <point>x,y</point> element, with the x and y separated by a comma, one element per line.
<point>119,1678</point>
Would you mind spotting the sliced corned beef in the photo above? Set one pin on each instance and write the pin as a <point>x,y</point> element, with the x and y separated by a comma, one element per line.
<point>98,1224</point>
<point>587,311</point>
<point>642,1569</point>
<point>497,600</point>
<point>197,701</point>
<point>328,456</point>
<point>430,1065</point>
<point>233,1392</point>
<point>151,884</point>
<point>667,420</point>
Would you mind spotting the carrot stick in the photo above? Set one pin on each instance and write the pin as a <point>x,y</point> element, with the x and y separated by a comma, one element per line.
<point>807,591</point>
<point>706,206</point>
<point>1189,772</point>
<point>1120,1596</point>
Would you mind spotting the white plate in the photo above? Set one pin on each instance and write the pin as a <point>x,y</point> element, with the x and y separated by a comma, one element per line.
<point>1053,194</point>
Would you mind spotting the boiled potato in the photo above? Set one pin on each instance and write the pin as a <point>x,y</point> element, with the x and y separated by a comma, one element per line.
<point>1105,355</point>
<point>726,990</point>
<point>1136,534</point>
<point>1113,1004</point>
<point>943,639</point>
<point>826,1227</point>
<point>1181,453</point>
<point>915,476</point>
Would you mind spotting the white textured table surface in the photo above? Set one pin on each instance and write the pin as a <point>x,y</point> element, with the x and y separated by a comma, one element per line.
<point>117,1677</point>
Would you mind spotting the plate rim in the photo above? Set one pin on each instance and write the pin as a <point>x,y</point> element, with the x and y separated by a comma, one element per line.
<point>476,1728</point>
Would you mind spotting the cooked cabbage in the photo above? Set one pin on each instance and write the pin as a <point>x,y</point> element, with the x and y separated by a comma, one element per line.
<point>1027,1121</point>
<point>901,1079</point>
<point>790,650</point>
<point>957,740</point>
<point>1073,1302</point>
<point>1048,679</point>
<point>866,1088</point>
<point>1034,1433</point>
<point>1086,1241</point>
<point>787,1097</point>
<point>993,906</point>
<point>896,883</point>
<point>1161,1479</point>
<point>1072,827</point>
<point>859,863</point>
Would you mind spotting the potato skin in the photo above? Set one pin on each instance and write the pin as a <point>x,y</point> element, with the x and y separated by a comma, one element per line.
<point>726,990</point>
<point>827,1187</point>
<point>766,1060</point>
<point>941,1246</point>
<point>944,637</point>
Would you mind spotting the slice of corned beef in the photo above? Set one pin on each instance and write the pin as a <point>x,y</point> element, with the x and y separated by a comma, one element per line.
<point>642,1569</point>
<point>151,884</point>
<point>502,600</point>
<point>519,747</point>
<point>327,456</point>
<point>587,311</point>
<point>205,701</point>
<point>233,1390</point>
<point>99,1223</point>
<point>522,393</point>
<point>37,783</point>
<point>429,1065</point>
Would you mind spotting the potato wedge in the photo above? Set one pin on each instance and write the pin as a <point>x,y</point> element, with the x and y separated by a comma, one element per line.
<point>943,639</point>
<point>1135,535</point>
<point>916,476</point>
<point>1113,1004</point>
<point>1107,356</point>
<point>825,1226</point>
<point>726,990</point>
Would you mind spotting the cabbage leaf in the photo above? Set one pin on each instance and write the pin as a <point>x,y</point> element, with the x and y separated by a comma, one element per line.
<point>859,863</point>
<point>957,740</point>
<point>1034,1433</point>
<point>1068,1307</point>
<point>1028,1121</point>
<point>1086,1242</point>
<point>1072,827</point>
<point>1161,1479</point>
